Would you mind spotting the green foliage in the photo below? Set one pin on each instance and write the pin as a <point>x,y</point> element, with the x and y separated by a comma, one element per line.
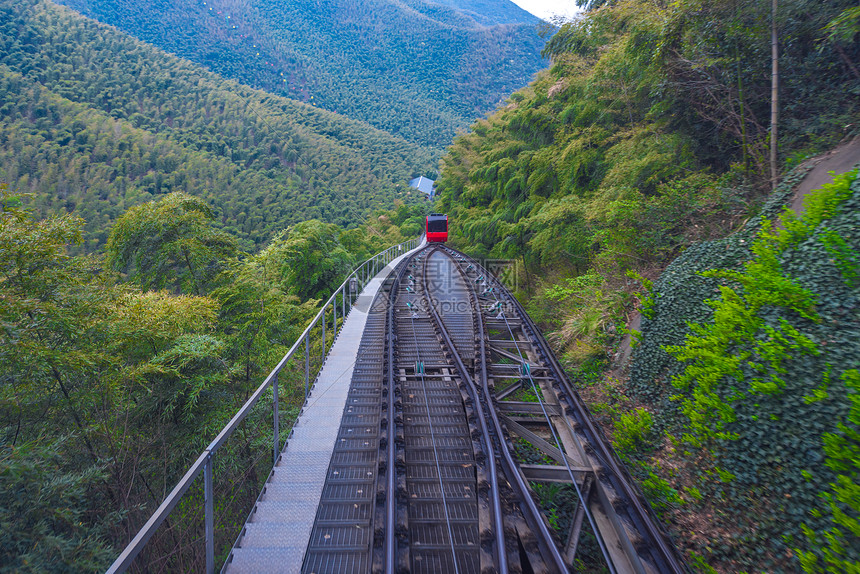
<point>259,319</point>
<point>135,380</point>
<point>169,243</point>
<point>845,26</point>
<point>710,351</point>
<point>592,164</point>
<point>701,565</point>
<point>739,334</point>
<point>579,308</point>
<point>758,325</point>
<point>108,391</point>
<point>839,544</point>
<point>179,375</point>
<point>582,287</point>
<point>633,430</point>
<point>646,306</point>
<point>42,510</point>
<point>660,493</point>
<point>645,141</point>
<point>709,61</point>
<point>308,259</point>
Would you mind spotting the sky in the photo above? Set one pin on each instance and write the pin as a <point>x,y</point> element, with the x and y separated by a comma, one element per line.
<point>547,8</point>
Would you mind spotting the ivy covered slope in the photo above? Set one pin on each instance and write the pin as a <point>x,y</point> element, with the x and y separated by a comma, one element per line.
<point>648,139</point>
<point>418,69</point>
<point>749,357</point>
<point>93,122</point>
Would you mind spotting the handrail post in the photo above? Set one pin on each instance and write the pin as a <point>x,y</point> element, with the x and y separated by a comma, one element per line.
<point>343,302</point>
<point>307,362</point>
<point>209,519</point>
<point>334,319</point>
<point>322,320</point>
<point>276,417</point>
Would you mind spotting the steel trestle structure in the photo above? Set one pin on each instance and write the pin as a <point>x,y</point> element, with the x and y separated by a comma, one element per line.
<point>434,468</point>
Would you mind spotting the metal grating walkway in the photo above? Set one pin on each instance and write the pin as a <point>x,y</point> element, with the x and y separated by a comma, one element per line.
<point>342,537</point>
<point>279,530</point>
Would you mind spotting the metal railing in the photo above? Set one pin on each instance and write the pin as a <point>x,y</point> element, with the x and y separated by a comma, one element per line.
<point>343,297</point>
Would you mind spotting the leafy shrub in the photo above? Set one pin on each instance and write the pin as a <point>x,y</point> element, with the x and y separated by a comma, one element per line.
<point>840,544</point>
<point>633,430</point>
<point>660,492</point>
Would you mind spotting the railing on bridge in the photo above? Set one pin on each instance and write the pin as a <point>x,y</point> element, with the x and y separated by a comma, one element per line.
<point>344,297</point>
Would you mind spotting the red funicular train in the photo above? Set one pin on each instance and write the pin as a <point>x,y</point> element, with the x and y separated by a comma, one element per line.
<point>437,228</point>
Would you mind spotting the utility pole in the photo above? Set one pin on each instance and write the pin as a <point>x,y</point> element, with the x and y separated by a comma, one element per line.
<point>774,97</point>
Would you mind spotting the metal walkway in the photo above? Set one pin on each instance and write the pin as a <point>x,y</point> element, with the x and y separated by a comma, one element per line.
<point>277,534</point>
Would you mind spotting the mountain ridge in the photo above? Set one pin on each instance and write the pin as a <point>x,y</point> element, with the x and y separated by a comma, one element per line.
<point>91,133</point>
<point>417,69</point>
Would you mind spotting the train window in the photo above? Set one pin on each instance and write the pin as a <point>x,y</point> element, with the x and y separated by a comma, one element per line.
<point>437,225</point>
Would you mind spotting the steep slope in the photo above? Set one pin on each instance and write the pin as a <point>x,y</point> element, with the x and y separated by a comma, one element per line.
<point>415,68</point>
<point>94,122</point>
<point>638,159</point>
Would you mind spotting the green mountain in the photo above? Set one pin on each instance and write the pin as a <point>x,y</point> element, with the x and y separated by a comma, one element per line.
<point>94,122</point>
<point>417,69</point>
<point>485,12</point>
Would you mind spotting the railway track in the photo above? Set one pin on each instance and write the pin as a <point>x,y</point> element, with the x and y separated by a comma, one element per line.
<point>426,476</point>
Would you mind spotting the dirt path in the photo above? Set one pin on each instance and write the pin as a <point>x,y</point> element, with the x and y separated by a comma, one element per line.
<point>838,160</point>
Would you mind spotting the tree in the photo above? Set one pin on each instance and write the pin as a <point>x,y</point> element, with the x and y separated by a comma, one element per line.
<point>258,318</point>
<point>53,373</point>
<point>308,259</point>
<point>170,242</point>
<point>43,512</point>
<point>842,30</point>
<point>45,308</point>
<point>774,97</point>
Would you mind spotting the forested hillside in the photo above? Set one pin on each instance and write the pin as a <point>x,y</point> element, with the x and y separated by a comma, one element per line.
<point>117,369</point>
<point>648,138</point>
<point>487,12</point>
<point>94,122</point>
<point>417,69</point>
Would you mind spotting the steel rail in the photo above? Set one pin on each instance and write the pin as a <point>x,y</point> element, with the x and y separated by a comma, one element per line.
<point>390,514</point>
<point>607,456</point>
<point>511,468</point>
<point>564,457</point>
<point>667,553</point>
<point>491,459</point>
<point>511,465</point>
<point>432,433</point>
<point>361,275</point>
